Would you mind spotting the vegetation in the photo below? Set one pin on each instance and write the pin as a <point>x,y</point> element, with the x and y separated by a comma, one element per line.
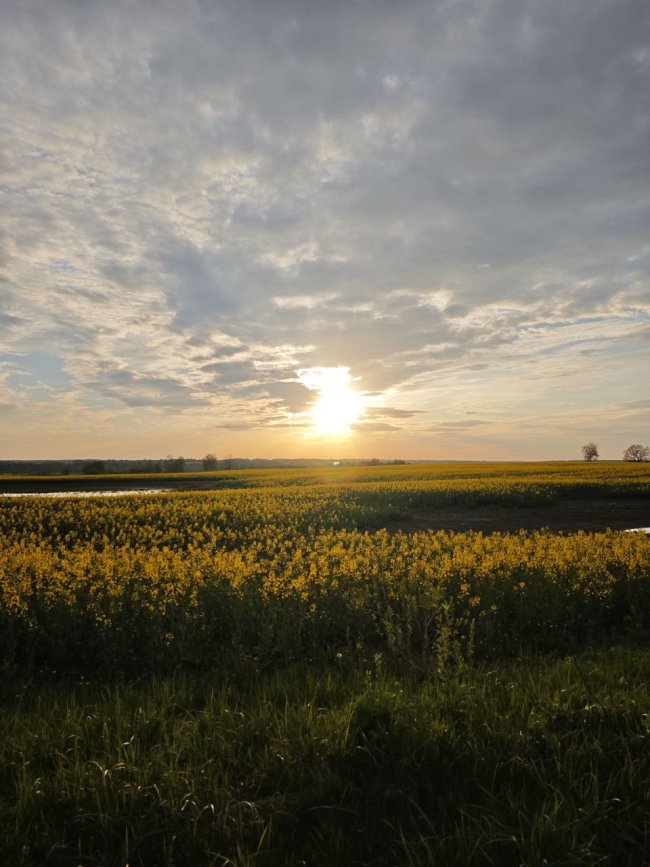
<point>94,468</point>
<point>468,483</point>
<point>150,585</point>
<point>174,465</point>
<point>636,452</point>
<point>590,452</point>
<point>263,675</point>
<point>209,462</point>
<point>521,762</point>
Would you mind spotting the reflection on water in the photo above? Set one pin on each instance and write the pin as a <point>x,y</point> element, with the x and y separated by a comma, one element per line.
<point>129,493</point>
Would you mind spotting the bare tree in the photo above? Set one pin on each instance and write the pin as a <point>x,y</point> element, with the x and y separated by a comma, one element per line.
<point>636,452</point>
<point>590,452</point>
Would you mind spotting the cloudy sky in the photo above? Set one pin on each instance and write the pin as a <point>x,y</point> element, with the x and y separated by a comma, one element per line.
<point>211,209</point>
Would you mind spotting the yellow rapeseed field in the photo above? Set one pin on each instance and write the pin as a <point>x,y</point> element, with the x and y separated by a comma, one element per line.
<point>300,566</point>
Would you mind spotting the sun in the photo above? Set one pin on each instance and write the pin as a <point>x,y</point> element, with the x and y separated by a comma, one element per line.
<point>336,410</point>
<point>338,406</point>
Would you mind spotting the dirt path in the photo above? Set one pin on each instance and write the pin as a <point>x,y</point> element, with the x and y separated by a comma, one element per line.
<point>566,515</point>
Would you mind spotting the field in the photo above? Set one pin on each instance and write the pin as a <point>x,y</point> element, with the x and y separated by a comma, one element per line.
<point>286,668</point>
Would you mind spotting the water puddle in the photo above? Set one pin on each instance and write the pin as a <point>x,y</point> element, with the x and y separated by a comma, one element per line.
<point>82,494</point>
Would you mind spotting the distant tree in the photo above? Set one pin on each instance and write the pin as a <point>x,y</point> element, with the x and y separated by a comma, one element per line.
<point>94,468</point>
<point>636,452</point>
<point>174,465</point>
<point>149,467</point>
<point>590,452</point>
<point>210,462</point>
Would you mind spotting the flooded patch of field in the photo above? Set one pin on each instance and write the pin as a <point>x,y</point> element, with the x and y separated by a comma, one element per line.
<point>81,494</point>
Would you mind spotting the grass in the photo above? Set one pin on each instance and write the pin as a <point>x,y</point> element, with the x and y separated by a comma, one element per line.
<point>536,761</point>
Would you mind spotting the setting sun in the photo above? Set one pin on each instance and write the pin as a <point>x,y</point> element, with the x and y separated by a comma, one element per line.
<point>338,406</point>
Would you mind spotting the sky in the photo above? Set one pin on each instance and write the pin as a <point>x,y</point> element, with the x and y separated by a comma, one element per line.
<point>293,228</point>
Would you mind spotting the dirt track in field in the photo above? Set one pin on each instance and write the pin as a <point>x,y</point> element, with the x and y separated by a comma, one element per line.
<point>566,515</point>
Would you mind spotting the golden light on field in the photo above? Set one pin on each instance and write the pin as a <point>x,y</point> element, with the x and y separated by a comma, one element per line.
<point>338,406</point>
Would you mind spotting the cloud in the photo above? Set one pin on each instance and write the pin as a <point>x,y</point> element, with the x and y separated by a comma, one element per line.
<point>294,397</point>
<point>635,404</point>
<point>445,198</point>
<point>373,426</point>
<point>387,412</point>
<point>461,424</point>
<point>309,302</point>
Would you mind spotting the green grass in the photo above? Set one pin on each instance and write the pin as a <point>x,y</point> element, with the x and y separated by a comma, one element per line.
<point>537,761</point>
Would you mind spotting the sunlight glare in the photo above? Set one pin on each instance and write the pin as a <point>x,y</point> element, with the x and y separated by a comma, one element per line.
<point>338,406</point>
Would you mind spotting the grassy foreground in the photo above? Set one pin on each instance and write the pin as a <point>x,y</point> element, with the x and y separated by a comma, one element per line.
<point>536,761</point>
